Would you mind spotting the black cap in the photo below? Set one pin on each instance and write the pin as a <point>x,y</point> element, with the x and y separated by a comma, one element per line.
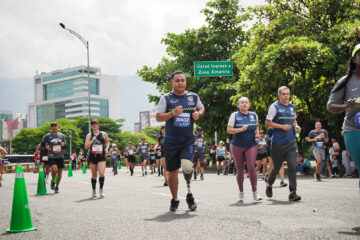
<point>53,123</point>
<point>94,121</point>
<point>142,138</point>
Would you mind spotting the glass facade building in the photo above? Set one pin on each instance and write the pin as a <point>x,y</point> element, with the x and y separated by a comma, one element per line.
<point>64,94</point>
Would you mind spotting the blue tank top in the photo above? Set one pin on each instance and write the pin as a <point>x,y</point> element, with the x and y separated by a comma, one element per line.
<point>284,115</point>
<point>180,128</point>
<point>245,139</point>
<point>221,151</point>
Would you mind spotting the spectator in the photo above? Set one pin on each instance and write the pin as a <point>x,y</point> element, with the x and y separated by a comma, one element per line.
<point>346,159</point>
<point>37,159</point>
<point>213,153</point>
<point>334,165</point>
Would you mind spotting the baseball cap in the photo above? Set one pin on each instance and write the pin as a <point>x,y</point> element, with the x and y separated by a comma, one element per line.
<point>114,145</point>
<point>53,123</point>
<point>356,49</point>
<point>142,138</point>
<point>221,142</point>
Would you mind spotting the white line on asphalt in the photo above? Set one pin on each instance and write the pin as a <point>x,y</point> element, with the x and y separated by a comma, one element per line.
<point>169,195</point>
<point>331,187</point>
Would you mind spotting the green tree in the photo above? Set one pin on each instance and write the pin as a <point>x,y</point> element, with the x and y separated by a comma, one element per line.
<point>152,132</point>
<point>301,44</point>
<point>218,40</point>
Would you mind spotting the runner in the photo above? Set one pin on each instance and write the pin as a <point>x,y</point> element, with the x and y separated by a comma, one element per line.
<point>81,158</point>
<point>3,153</point>
<point>37,159</point>
<point>179,109</point>
<point>143,148</point>
<point>98,143</point>
<point>126,159</point>
<point>243,124</point>
<point>158,157</point>
<point>55,143</point>
<point>345,97</point>
<point>152,158</point>
<point>130,153</point>
<point>114,154</point>
<point>271,163</point>
<point>199,154</point>
<point>44,160</point>
<point>318,137</point>
<point>221,152</point>
<point>212,154</point>
<point>282,118</point>
<point>261,157</point>
<point>164,172</point>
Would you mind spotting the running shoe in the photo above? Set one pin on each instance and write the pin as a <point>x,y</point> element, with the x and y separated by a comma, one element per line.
<point>94,194</point>
<point>283,184</point>
<point>202,177</point>
<point>294,197</point>
<point>257,197</point>
<point>218,172</point>
<point>145,172</point>
<point>159,173</point>
<point>174,205</point>
<point>52,185</point>
<point>241,197</point>
<point>248,175</point>
<point>56,189</point>
<point>269,192</point>
<point>0,184</point>
<point>101,193</point>
<point>166,184</point>
<point>191,202</point>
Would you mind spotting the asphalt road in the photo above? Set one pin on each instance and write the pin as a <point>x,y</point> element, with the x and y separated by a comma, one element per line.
<point>137,208</point>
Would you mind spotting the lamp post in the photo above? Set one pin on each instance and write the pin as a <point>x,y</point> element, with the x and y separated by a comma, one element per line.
<point>86,43</point>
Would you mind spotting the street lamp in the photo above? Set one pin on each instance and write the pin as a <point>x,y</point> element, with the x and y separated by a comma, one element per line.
<point>86,43</point>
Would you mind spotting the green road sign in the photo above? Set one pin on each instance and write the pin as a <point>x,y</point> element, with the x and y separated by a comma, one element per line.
<point>213,69</point>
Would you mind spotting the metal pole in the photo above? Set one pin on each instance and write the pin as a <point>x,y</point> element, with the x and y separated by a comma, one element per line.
<point>70,136</point>
<point>88,76</point>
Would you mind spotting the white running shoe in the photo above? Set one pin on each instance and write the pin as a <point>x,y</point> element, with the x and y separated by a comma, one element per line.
<point>241,197</point>
<point>101,193</point>
<point>257,197</point>
<point>94,194</point>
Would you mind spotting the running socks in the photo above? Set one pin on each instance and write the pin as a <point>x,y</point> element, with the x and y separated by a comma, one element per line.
<point>101,181</point>
<point>93,183</point>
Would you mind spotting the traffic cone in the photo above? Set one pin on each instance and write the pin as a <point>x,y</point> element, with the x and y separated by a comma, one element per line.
<point>84,168</point>
<point>20,214</point>
<point>70,170</point>
<point>41,188</point>
<point>119,165</point>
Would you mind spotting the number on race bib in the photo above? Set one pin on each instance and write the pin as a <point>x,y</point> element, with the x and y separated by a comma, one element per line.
<point>56,148</point>
<point>97,149</point>
<point>182,120</point>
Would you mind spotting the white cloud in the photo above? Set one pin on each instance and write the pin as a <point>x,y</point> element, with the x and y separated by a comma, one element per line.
<point>124,35</point>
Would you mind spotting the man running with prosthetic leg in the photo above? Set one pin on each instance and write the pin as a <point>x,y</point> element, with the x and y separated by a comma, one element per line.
<point>179,109</point>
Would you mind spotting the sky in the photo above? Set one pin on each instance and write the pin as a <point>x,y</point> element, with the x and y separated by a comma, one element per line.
<point>123,36</point>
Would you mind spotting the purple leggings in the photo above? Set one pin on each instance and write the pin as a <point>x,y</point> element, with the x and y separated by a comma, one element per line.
<point>240,155</point>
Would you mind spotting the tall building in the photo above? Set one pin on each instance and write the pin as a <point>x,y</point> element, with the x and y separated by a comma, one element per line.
<point>147,119</point>
<point>64,94</point>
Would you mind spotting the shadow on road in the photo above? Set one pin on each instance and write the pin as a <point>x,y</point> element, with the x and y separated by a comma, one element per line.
<point>356,233</point>
<point>88,199</point>
<point>171,216</point>
<point>45,195</point>
<point>241,204</point>
<point>277,202</point>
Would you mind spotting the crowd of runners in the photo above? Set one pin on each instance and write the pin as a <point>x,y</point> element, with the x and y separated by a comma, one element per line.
<point>251,149</point>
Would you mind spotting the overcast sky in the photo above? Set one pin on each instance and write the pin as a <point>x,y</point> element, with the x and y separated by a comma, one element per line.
<point>124,35</point>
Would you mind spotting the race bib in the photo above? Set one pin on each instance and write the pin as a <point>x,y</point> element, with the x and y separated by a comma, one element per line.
<point>212,151</point>
<point>143,151</point>
<point>158,154</point>
<point>200,144</point>
<point>182,120</point>
<point>152,157</point>
<point>357,120</point>
<point>57,149</point>
<point>319,144</point>
<point>131,152</point>
<point>97,149</point>
<point>45,158</point>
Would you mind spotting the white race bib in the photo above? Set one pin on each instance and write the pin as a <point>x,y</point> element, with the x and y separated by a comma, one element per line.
<point>57,149</point>
<point>131,152</point>
<point>45,158</point>
<point>97,149</point>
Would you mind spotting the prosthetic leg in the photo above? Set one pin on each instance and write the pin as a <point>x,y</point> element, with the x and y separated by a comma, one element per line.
<point>187,169</point>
